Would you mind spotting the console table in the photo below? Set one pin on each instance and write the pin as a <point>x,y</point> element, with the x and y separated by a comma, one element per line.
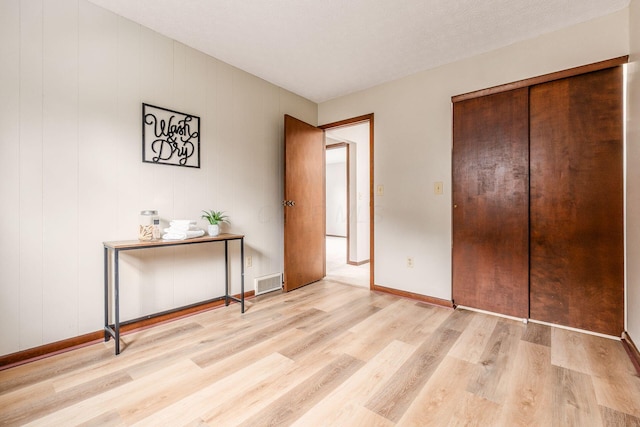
<point>113,329</point>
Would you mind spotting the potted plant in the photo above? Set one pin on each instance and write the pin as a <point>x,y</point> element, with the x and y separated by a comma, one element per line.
<point>214,218</point>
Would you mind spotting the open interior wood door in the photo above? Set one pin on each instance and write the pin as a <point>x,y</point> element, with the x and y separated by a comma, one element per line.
<point>491,203</point>
<point>304,204</point>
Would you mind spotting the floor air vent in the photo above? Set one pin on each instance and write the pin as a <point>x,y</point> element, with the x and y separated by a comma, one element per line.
<point>270,283</point>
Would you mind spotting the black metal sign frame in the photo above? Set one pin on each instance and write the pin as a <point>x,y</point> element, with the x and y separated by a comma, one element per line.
<point>170,137</point>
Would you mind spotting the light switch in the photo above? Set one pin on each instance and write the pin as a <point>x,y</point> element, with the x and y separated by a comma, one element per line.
<point>380,190</point>
<point>437,188</point>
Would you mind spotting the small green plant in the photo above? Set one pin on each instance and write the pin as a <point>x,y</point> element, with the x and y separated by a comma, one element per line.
<point>215,217</point>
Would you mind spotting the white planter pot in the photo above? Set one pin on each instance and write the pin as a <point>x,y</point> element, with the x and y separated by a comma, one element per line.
<point>213,230</point>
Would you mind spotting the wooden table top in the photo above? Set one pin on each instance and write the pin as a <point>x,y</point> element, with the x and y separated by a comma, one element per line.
<point>133,244</point>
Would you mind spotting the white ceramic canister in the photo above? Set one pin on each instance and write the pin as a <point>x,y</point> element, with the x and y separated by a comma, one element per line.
<point>149,228</point>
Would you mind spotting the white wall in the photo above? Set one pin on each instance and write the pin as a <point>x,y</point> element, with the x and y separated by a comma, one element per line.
<point>633,175</point>
<point>362,251</point>
<point>336,190</point>
<point>357,136</point>
<point>413,143</point>
<point>72,80</point>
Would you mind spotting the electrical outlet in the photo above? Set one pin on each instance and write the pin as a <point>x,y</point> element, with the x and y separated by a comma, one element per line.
<point>437,188</point>
<point>248,261</point>
<point>409,262</point>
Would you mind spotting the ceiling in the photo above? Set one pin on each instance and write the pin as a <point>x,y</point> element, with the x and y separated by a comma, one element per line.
<point>323,49</point>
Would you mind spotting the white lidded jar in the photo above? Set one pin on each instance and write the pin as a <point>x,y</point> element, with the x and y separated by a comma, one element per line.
<point>149,228</point>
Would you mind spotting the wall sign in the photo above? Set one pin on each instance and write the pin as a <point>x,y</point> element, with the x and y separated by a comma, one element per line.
<point>170,137</point>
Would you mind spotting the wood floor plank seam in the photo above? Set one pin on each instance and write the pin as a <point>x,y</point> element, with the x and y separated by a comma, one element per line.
<point>299,400</point>
<point>492,373</point>
<point>28,410</point>
<point>327,333</point>
<point>398,393</point>
<point>234,346</point>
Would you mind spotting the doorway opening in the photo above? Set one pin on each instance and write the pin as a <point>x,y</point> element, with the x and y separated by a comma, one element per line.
<point>349,230</point>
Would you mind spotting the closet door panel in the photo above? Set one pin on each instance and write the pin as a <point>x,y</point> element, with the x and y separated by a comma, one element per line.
<point>490,196</point>
<point>576,210</point>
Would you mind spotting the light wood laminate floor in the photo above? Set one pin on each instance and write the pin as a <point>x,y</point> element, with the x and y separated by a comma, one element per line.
<point>336,355</point>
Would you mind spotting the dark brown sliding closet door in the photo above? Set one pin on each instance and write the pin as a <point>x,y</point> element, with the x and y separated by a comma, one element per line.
<point>576,207</point>
<point>491,203</point>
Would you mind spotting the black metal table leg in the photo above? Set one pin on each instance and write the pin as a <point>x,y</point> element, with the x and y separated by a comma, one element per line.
<point>226,273</point>
<point>106,294</point>
<point>242,275</point>
<point>116,292</point>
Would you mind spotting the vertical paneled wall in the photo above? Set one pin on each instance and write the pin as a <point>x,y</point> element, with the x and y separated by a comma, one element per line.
<point>72,81</point>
